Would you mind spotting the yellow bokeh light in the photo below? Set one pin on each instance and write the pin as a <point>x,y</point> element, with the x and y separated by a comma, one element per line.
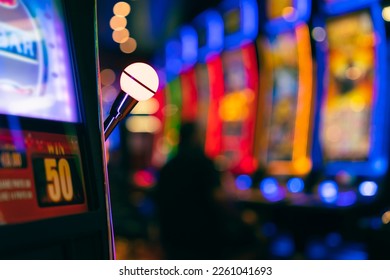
<point>386,217</point>
<point>118,23</point>
<point>143,124</point>
<point>107,77</point>
<point>386,13</point>
<point>129,45</point>
<point>120,36</point>
<point>235,107</point>
<point>289,14</point>
<point>121,9</point>
<point>147,107</point>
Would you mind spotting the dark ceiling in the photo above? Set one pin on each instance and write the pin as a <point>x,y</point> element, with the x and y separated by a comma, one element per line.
<point>150,23</point>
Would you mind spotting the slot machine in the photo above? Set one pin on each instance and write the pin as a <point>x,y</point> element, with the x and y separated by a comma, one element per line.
<point>209,79</point>
<point>352,118</point>
<point>284,127</point>
<point>173,98</point>
<point>54,196</point>
<point>189,54</point>
<point>181,92</point>
<point>237,109</point>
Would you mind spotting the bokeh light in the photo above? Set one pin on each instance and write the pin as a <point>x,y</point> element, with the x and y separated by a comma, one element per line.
<point>121,9</point>
<point>107,77</point>
<point>118,23</point>
<point>129,45</point>
<point>120,36</point>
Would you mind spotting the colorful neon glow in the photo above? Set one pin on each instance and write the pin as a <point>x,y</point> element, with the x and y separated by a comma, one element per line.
<point>328,191</point>
<point>284,15</point>
<point>35,65</point>
<point>238,108</point>
<point>239,104</point>
<point>368,188</point>
<point>283,136</point>
<point>357,90</point>
<point>348,104</point>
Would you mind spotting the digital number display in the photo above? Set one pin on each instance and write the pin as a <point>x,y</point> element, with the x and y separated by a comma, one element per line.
<point>58,180</point>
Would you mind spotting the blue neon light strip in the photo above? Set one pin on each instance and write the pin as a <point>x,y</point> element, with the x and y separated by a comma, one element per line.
<point>173,62</point>
<point>249,22</point>
<point>377,163</point>
<point>281,24</point>
<point>343,6</point>
<point>212,22</point>
<point>189,46</point>
<point>181,52</point>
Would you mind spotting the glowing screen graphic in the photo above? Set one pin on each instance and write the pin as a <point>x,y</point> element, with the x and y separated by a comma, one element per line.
<point>284,97</point>
<point>347,106</point>
<point>35,68</point>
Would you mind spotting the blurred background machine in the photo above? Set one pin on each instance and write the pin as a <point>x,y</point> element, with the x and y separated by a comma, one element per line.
<point>298,125</point>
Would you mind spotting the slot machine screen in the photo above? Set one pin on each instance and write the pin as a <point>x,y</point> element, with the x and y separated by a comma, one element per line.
<point>41,173</point>
<point>237,108</point>
<point>35,71</point>
<point>235,104</point>
<point>284,98</point>
<point>232,21</point>
<point>280,8</point>
<point>348,101</point>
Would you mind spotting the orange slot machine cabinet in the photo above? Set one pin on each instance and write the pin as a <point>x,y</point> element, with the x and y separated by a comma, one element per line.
<point>209,79</point>
<point>54,201</point>
<point>284,128</point>
<point>238,104</point>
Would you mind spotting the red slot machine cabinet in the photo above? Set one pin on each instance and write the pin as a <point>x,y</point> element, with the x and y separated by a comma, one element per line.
<point>209,79</point>
<point>284,128</point>
<point>240,69</point>
<point>53,179</point>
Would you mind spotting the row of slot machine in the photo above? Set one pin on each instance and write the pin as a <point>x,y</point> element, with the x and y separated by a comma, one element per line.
<point>291,101</point>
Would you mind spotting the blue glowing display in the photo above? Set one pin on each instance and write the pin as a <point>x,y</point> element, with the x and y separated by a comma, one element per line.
<point>328,191</point>
<point>271,190</point>
<point>368,188</point>
<point>243,182</point>
<point>295,185</point>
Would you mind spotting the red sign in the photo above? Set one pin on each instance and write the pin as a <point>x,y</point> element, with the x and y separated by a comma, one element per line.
<point>40,176</point>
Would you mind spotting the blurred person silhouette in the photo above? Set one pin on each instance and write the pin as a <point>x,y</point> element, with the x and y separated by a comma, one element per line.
<point>194,224</point>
